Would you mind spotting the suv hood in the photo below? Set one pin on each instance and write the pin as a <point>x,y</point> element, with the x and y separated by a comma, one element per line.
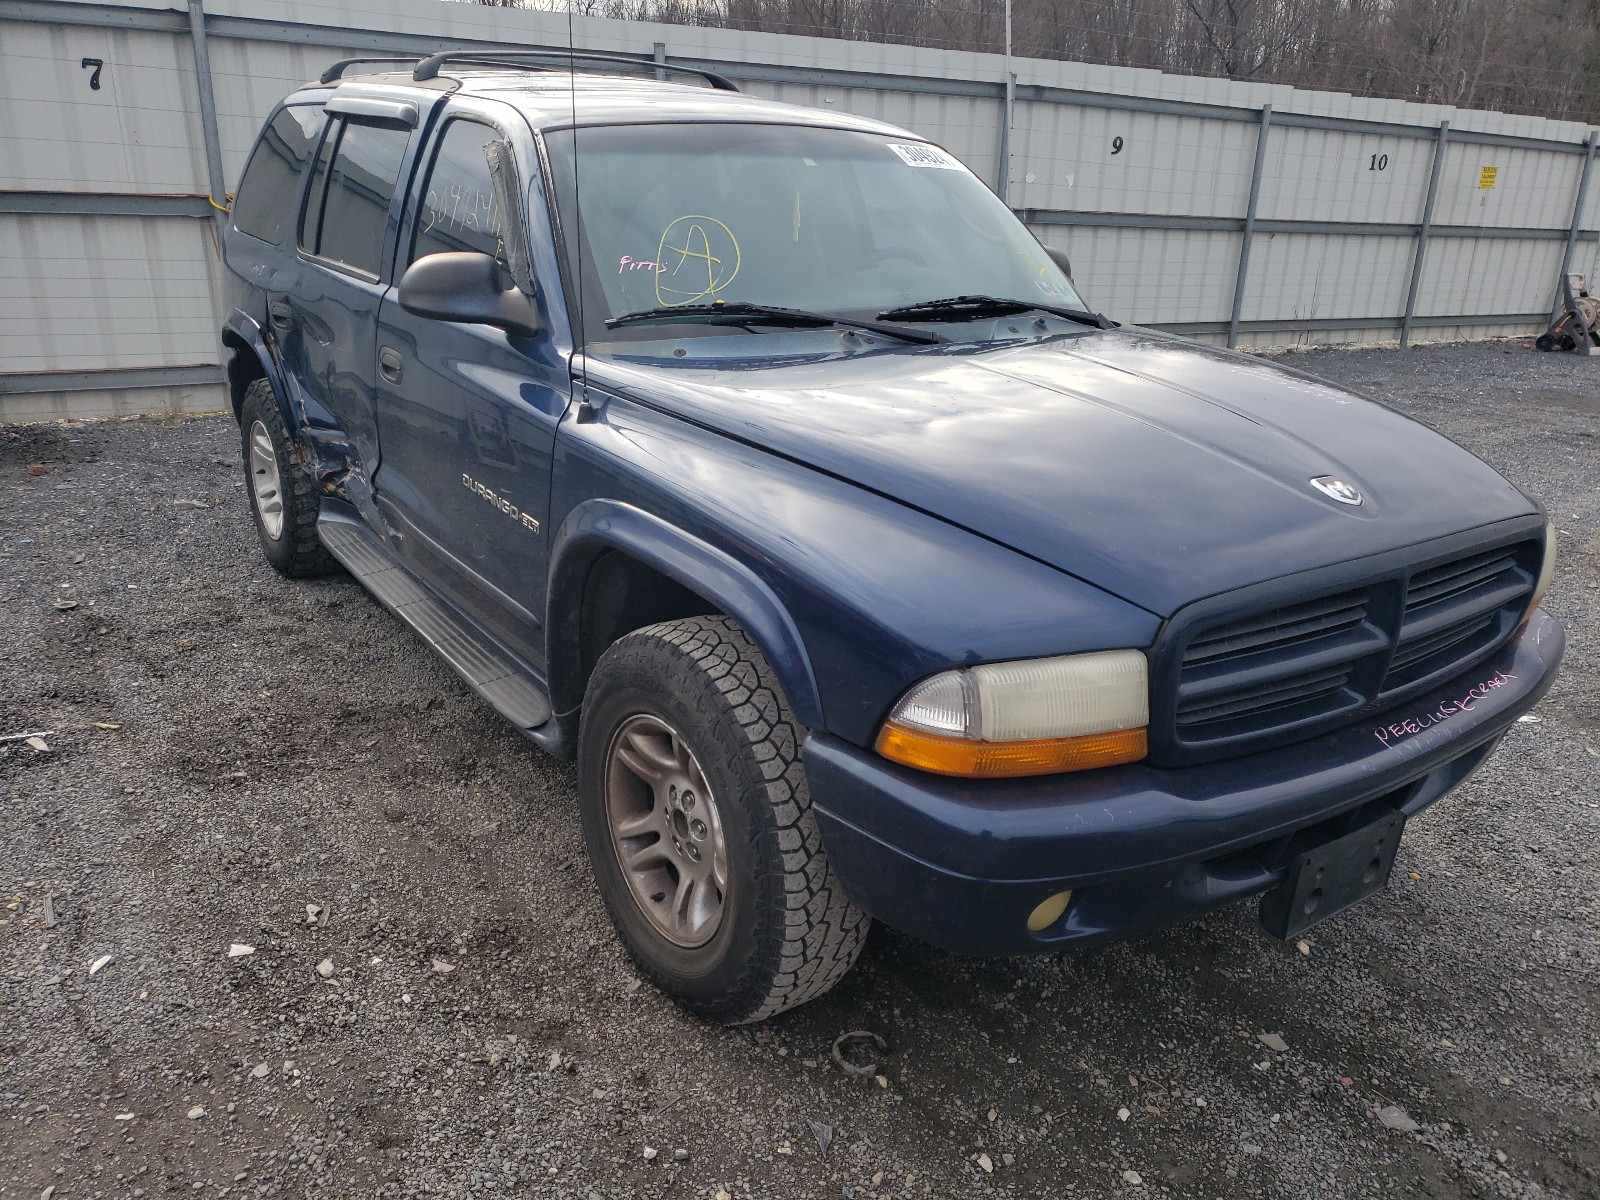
<point>1158,470</point>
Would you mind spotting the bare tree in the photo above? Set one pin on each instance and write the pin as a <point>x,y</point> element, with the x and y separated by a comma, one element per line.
<point>1527,56</point>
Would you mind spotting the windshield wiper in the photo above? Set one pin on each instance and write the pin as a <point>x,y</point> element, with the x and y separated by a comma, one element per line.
<point>768,312</point>
<point>961,308</point>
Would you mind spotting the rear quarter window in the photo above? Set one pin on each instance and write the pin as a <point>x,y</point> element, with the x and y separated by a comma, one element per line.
<point>264,205</point>
<point>346,219</point>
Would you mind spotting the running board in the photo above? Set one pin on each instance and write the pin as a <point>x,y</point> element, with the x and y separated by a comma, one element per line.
<point>488,670</point>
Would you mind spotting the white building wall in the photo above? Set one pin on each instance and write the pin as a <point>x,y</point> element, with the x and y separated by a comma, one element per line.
<point>101,292</point>
<point>139,132</point>
<point>1119,166</point>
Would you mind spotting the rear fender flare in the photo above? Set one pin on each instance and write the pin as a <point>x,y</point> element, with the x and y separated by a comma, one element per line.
<point>242,335</point>
<point>597,526</point>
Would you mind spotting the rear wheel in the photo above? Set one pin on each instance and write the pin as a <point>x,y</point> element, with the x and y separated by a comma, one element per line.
<point>698,822</point>
<point>283,498</point>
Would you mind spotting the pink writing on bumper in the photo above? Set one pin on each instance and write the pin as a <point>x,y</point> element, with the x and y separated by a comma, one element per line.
<point>1389,734</point>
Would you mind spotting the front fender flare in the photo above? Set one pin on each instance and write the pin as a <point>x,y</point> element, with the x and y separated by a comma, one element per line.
<point>596,526</point>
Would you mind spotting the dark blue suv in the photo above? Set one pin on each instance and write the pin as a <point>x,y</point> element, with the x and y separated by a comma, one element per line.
<point>763,461</point>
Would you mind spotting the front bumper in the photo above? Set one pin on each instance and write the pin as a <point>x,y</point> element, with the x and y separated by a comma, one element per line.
<point>961,864</point>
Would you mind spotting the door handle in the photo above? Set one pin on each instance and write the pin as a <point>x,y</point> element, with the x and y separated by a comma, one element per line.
<point>389,364</point>
<point>282,315</point>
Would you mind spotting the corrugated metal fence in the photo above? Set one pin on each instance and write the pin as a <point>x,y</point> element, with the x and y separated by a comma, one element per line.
<point>1249,213</point>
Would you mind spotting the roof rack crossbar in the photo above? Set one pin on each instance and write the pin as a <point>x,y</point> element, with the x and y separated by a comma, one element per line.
<point>524,59</point>
<point>335,72</point>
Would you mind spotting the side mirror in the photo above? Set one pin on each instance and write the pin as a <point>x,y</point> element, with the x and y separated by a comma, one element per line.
<point>1059,257</point>
<point>467,287</point>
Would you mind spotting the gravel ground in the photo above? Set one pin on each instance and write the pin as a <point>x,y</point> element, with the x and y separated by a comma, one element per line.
<point>231,748</point>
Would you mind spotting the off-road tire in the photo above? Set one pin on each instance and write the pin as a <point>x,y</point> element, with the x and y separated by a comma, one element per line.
<point>297,551</point>
<point>787,933</point>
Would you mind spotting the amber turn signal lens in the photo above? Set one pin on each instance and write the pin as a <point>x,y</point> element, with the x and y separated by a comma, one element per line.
<point>1004,760</point>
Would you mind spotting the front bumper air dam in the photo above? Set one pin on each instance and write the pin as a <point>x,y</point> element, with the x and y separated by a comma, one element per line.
<point>961,864</point>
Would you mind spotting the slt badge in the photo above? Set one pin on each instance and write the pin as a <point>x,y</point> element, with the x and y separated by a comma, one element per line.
<point>1335,488</point>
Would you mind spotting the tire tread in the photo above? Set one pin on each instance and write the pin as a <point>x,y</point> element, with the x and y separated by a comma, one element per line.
<point>299,552</point>
<point>819,933</point>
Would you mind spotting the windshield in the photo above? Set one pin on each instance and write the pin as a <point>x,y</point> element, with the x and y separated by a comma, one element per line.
<point>824,220</point>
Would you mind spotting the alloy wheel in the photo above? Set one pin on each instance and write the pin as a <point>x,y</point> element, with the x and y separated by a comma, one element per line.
<point>666,830</point>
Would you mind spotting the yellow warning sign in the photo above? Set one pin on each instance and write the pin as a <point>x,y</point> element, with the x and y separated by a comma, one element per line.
<point>1487,177</point>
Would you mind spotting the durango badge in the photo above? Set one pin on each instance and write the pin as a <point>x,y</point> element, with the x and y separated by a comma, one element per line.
<point>526,520</point>
<point>1336,489</point>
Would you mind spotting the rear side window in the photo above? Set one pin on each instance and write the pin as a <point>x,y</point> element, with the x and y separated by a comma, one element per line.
<point>347,210</point>
<point>264,204</point>
<point>459,210</point>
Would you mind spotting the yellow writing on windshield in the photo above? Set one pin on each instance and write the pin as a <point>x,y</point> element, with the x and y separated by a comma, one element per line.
<point>697,258</point>
<point>1033,264</point>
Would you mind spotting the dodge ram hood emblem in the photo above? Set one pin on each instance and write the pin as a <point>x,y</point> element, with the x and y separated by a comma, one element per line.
<point>1336,489</point>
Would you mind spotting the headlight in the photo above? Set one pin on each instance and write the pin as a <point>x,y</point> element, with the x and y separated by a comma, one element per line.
<point>1033,717</point>
<point>1547,570</point>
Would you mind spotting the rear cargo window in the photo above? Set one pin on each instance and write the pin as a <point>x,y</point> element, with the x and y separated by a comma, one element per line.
<point>347,219</point>
<point>265,200</point>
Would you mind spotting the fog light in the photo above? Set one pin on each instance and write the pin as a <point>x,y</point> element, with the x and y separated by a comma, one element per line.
<point>1048,913</point>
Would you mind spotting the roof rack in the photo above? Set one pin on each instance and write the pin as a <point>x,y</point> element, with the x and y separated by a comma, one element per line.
<point>334,73</point>
<point>546,60</point>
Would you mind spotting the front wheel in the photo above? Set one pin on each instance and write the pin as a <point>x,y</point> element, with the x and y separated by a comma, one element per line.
<point>698,822</point>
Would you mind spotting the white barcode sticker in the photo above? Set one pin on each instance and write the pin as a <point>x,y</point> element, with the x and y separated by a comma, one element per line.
<point>918,155</point>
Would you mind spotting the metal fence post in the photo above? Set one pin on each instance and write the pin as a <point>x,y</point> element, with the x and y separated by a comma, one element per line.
<point>1422,233</point>
<point>208,108</point>
<point>1007,107</point>
<point>1578,216</point>
<point>1249,225</point>
<point>1003,175</point>
<point>660,55</point>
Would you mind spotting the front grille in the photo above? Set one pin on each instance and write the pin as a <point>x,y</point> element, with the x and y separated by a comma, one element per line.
<point>1421,649</point>
<point>1280,627</point>
<point>1236,681</point>
<point>1246,704</point>
<point>1281,664</point>
<point>1441,583</point>
<point>1452,611</point>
